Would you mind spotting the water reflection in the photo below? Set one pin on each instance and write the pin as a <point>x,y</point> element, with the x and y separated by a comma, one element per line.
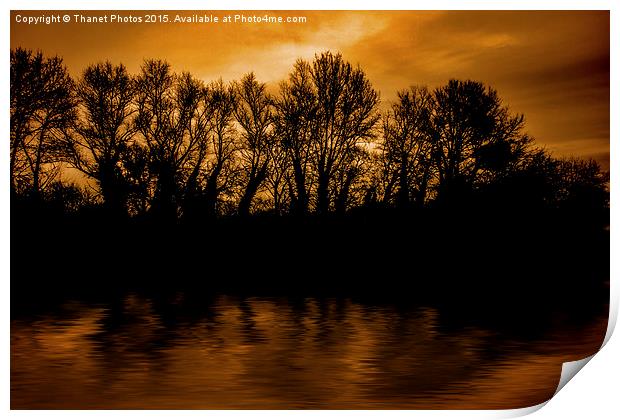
<point>187,351</point>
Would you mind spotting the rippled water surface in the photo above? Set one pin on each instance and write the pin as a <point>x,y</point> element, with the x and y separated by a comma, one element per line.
<point>229,352</point>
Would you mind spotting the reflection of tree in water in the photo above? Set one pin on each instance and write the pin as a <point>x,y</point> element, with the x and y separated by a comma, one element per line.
<point>172,351</point>
<point>307,353</point>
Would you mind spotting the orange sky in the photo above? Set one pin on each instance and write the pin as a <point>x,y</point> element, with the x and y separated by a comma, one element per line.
<point>552,66</point>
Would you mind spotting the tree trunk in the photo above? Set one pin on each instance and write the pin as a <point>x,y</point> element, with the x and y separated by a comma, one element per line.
<point>343,197</point>
<point>323,194</point>
<point>165,202</point>
<point>211,193</point>
<point>113,190</point>
<point>301,205</point>
<point>250,191</point>
<point>403,184</point>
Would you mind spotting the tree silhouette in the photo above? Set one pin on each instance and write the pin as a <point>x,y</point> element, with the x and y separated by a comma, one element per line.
<point>170,146</point>
<point>294,119</point>
<point>582,184</point>
<point>166,107</point>
<point>255,116</point>
<point>350,180</point>
<point>140,179</point>
<point>214,171</point>
<point>68,198</point>
<point>278,179</point>
<point>105,131</point>
<point>531,184</point>
<point>475,136</point>
<point>42,110</point>
<point>198,128</point>
<point>345,117</point>
<point>407,147</point>
<point>229,187</point>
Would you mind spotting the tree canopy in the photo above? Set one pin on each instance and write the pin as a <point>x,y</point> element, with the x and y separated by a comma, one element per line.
<point>170,146</point>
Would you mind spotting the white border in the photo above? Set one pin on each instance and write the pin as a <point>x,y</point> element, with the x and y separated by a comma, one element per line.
<point>592,394</point>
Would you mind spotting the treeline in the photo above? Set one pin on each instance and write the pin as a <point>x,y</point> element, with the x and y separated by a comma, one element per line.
<point>169,146</point>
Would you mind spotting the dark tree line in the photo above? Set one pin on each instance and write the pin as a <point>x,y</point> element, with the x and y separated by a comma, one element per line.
<point>169,146</point>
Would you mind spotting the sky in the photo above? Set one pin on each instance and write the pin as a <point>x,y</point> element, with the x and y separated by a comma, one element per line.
<point>551,66</point>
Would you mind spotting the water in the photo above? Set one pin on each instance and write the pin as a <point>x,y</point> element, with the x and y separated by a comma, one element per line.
<point>209,352</point>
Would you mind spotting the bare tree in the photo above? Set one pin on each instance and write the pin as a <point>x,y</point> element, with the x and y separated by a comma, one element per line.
<point>214,168</point>
<point>296,109</point>
<point>350,182</point>
<point>582,184</point>
<point>476,137</point>
<point>166,107</point>
<point>137,174</point>
<point>167,144</point>
<point>345,118</point>
<point>278,178</point>
<point>68,197</point>
<point>42,110</point>
<point>104,131</point>
<point>407,145</point>
<point>254,113</point>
